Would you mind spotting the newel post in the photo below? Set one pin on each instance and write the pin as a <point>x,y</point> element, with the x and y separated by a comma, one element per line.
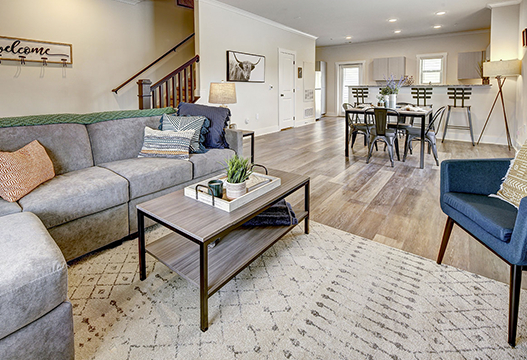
<point>145,97</point>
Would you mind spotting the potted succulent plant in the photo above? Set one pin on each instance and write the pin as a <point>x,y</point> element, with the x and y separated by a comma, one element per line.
<point>238,170</point>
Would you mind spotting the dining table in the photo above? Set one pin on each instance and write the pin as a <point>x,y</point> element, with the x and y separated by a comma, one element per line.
<point>422,114</point>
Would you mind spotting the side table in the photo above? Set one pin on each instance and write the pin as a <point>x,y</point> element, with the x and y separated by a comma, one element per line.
<point>250,133</point>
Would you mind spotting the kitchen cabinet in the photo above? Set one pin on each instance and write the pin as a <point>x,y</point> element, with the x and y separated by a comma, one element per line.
<point>468,63</point>
<point>384,68</point>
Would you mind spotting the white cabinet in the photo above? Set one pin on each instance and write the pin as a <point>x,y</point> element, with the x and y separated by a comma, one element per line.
<point>384,68</point>
<point>468,63</point>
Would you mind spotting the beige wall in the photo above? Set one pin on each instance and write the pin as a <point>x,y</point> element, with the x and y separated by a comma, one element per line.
<point>111,41</point>
<point>221,28</point>
<point>520,132</point>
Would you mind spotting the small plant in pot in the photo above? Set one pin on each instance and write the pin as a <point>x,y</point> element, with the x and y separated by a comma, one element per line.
<point>238,170</point>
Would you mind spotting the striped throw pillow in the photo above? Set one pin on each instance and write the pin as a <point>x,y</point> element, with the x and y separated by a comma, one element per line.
<point>514,186</point>
<point>23,170</point>
<point>181,123</point>
<point>166,144</point>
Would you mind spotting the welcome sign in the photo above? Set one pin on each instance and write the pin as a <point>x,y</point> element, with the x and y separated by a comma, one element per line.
<point>17,49</point>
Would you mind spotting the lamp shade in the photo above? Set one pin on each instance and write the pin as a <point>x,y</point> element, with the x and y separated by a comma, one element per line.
<point>502,68</point>
<point>222,93</point>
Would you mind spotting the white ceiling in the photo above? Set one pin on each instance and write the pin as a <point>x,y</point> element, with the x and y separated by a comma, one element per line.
<point>367,20</point>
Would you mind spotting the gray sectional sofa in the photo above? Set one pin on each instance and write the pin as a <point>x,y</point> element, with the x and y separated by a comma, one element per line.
<point>89,204</point>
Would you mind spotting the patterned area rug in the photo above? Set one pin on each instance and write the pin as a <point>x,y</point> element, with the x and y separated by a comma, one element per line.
<point>326,295</point>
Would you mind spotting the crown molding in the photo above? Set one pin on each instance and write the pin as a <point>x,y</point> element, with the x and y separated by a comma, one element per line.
<point>255,17</point>
<point>130,2</point>
<point>502,4</point>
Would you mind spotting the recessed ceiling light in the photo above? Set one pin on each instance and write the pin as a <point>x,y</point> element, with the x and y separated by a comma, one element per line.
<point>437,26</point>
<point>439,13</point>
<point>348,37</point>
<point>397,31</point>
<point>392,20</point>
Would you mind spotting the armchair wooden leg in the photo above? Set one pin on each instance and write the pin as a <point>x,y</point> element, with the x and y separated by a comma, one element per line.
<point>514,302</point>
<point>446,236</point>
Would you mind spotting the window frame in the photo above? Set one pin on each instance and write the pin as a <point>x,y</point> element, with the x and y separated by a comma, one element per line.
<point>443,72</point>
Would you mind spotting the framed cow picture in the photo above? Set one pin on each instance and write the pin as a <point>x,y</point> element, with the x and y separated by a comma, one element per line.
<point>245,67</point>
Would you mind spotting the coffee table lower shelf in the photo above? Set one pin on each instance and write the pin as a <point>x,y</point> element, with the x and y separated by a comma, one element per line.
<point>230,256</point>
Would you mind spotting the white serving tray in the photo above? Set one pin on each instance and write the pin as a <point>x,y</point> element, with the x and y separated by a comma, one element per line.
<point>230,205</point>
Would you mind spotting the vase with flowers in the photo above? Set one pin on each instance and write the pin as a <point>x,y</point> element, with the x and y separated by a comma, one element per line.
<point>391,90</point>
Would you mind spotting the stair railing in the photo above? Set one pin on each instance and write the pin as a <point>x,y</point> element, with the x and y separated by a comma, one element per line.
<point>178,86</point>
<point>153,63</point>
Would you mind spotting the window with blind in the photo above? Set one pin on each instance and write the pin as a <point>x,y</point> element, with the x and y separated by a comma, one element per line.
<point>350,77</point>
<point>432,69</point>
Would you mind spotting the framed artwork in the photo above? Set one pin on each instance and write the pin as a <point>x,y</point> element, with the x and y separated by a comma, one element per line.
<point>244,67</point>
<point>300,73</point>
<point>524,37</point>
<point>186,3</point>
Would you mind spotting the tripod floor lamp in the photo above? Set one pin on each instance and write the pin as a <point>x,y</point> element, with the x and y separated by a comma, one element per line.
<point>500,69</point>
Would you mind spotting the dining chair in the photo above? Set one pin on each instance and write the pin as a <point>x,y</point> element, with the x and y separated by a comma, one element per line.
<point>414,133</point>
<point>381,132</point>
<point>358,126</point>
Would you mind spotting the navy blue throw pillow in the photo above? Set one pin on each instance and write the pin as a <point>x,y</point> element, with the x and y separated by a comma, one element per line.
<point>218,116</point>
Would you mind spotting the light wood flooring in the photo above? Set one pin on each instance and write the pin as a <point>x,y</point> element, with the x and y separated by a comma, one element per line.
<point>396,206</point>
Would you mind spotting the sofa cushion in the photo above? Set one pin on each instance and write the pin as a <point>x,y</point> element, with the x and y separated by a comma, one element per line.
<point>76,194</point>
<point>492,214</point>
<point>148,175</point>
<point>166,144</point>
<point>119,139</point>
<point>219,118</point>
<point>67,145</point>
<point>34,274</point>
<point>23,170</point>
<point>211,161</point>
<point>180,123</point>
<point>7,207</point>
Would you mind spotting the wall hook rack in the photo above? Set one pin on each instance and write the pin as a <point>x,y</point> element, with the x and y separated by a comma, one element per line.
<point>22,60</point>
<point>44,61</point>
<point>64,64</point>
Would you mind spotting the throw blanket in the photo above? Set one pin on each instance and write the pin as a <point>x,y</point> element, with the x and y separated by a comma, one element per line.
<point>279,214</point>
<point>83,119</point>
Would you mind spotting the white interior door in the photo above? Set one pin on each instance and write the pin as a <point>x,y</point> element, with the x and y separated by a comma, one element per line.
<point>286,88</point>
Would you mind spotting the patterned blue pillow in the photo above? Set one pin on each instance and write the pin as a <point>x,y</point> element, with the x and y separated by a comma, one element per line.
<point>180,123</point>
<point>166,144</point>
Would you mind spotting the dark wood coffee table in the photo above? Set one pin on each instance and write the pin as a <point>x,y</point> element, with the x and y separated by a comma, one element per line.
<point>195,225</point>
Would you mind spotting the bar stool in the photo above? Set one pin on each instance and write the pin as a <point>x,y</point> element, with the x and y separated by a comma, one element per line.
<point>360,94</point>
<point>459,94</point>
<point>421,94</point>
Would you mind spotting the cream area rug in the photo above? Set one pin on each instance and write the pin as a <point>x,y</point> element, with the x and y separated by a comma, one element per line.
<point>325,295</point>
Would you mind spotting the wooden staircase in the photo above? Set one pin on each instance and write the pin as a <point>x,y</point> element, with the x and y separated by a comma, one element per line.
<point>179,85</point>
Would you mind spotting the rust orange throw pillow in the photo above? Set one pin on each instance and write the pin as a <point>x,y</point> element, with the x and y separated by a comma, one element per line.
<point>23,170</point>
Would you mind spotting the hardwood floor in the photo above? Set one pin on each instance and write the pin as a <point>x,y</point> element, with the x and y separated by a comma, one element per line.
<point>396,206</point>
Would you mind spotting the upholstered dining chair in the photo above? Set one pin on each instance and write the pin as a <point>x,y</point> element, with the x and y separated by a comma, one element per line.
<point>358,126</point>
<point>498,225</point>
<point>414,133</point>
<point>381,132</point>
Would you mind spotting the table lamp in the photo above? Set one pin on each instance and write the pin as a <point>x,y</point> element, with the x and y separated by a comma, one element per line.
<point>222,93</point>
<point>500,70</point>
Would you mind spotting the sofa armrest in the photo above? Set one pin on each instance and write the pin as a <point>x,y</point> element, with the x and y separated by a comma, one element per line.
<point>473,176</point>
<point>235,140</point>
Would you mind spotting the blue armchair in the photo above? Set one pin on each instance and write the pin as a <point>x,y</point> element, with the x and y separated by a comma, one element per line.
<point>465,186</point>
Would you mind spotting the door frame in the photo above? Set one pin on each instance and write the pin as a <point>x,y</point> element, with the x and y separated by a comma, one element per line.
<point>338,104</point>
<point>291,52</point>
